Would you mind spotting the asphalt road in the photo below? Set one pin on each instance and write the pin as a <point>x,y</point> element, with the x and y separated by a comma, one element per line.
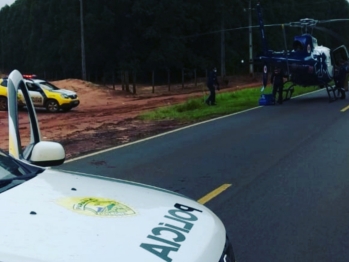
<point>288,167</point>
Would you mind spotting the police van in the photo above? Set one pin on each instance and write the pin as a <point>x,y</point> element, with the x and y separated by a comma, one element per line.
<point>52,215</point>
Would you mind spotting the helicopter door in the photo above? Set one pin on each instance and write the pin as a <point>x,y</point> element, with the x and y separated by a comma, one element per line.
<point>340,54</point>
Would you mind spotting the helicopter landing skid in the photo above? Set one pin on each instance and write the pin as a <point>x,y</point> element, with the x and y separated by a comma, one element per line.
<point>334,93</point>
<point>289,91</point>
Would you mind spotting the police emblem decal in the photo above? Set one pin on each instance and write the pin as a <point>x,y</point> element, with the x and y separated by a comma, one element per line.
<point>96,206</point>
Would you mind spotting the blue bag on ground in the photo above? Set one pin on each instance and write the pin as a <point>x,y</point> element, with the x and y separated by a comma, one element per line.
<point>266,99</point>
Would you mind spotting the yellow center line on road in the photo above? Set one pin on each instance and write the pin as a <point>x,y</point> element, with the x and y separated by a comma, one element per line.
<point>213,194</point>
<point>345,109</point>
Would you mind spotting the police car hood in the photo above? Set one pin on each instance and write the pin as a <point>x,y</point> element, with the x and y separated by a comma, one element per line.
<point>64,91</point>
<point>59,216</point>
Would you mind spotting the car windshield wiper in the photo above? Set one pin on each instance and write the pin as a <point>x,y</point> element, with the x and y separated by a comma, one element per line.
<point>24,177</point>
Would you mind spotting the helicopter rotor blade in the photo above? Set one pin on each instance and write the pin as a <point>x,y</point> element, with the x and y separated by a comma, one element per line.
<point>330,32</point>
<point>333,20</point>
<point>303,23</point>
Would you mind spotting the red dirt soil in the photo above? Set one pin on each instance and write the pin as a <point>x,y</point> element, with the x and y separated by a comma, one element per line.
<point>107,117</point>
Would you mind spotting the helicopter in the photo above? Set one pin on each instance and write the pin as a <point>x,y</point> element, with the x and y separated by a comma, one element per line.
<point>308,63</point>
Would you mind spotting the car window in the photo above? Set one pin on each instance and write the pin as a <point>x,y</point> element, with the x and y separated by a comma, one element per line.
<point>32,87</point>
<point>4,82</point>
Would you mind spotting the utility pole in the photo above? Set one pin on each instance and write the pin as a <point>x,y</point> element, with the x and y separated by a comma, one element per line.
<point>250,38</point>
<point>222,47</point>
<point>83,62</point>
<point>222,13</point>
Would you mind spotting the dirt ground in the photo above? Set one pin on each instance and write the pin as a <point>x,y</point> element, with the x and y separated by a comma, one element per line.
<point>107,117</point>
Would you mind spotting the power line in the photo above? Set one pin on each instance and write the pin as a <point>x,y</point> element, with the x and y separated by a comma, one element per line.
<point>291,24</point>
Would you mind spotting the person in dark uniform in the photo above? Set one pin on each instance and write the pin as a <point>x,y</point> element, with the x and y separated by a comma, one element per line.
<point>212,85</point>
<point>277,79</point>
<point>340,77</point>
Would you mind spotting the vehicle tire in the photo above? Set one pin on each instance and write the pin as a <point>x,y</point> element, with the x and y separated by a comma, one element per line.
<point>3,103</point>
<point>52,106</point>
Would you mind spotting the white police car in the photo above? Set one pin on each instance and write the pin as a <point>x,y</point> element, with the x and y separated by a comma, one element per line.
<point>49,215</point>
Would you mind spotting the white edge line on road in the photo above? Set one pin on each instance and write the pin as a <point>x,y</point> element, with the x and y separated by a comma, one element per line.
<point>172,131</point>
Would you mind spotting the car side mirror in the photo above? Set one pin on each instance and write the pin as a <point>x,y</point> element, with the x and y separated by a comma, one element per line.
<point>47,153</point>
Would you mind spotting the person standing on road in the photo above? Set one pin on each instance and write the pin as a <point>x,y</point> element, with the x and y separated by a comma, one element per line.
<point>277,79</point>
<point>212,85</point>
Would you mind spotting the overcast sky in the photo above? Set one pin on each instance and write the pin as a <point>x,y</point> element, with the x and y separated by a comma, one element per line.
<point>6,2</point>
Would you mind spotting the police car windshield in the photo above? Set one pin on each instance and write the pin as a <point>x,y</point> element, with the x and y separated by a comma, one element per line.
<point>48,86</point>
<point>13,172</point>
<point>8,167</point>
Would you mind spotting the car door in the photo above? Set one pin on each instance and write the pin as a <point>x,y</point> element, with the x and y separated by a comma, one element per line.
<point>36,93</point>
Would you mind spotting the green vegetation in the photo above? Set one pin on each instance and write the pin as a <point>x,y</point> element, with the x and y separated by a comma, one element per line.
<point>230,102</point>
<point>164,37</point>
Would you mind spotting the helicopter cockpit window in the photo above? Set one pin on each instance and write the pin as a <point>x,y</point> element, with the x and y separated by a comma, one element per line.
<point>297,46</point>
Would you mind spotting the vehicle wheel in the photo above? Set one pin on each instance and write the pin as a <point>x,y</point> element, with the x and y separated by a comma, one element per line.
<point>3,103</point>
<point>52,106</point>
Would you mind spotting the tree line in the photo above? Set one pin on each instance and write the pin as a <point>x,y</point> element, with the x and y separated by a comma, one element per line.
<point>44,37</point>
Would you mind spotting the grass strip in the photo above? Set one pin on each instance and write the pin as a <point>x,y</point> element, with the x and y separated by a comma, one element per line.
<point>195,109</point>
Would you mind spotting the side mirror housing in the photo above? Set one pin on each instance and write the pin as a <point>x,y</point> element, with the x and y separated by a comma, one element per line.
<point>47,153</point>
